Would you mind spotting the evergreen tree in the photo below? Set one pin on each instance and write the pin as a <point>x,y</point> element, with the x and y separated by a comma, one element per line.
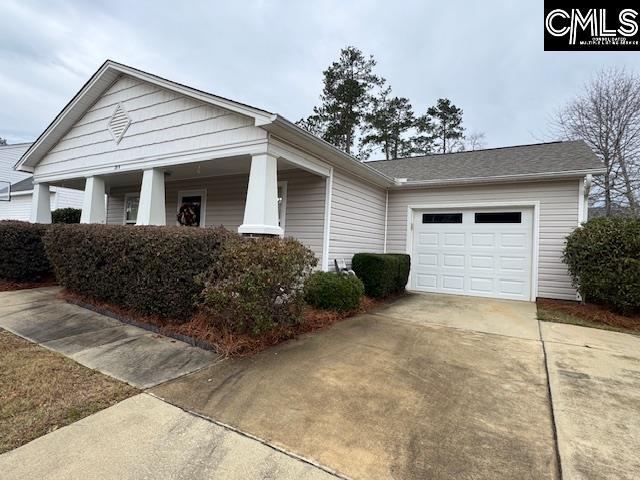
<point>3,141</point>
<point>388,124</point>
<point>345,99</point>
<point>443,123</point>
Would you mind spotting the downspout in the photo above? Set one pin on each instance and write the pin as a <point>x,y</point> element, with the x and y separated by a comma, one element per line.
<point>386,216</point>
<point>588,180</point>
<point>327,221</point>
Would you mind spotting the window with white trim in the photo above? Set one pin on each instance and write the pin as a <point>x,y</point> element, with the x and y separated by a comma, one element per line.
<point>131,203</point>
<point>282,203</point>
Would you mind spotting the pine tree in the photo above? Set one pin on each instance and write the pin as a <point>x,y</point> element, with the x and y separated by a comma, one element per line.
<point>345,99</point>
<point>443,122</point>
<point>388,124</point>
<point>3,141</point>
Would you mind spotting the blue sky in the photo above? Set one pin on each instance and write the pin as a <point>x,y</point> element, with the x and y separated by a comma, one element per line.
<point>487,56</point>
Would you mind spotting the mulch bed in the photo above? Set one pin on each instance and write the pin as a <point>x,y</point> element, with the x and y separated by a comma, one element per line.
<point>592,313</point>
<point>202,332</point>
<point>8,286</point>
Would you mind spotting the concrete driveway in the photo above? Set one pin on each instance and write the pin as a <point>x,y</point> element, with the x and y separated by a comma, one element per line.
<point>392,395</point>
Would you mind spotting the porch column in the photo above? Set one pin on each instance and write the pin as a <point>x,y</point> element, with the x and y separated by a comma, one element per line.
<point>93,207</point>
<point>40,204</point>
<point>261,206</point>
<point>151,210</point>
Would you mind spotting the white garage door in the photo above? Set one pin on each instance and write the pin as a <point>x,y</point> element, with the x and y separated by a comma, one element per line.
<point>480,252</point>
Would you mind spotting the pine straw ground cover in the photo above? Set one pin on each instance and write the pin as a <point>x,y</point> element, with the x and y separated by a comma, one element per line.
<point>10,286</point>
<point>586,315</point>
<point>226,342</point>
<point>41,391</point>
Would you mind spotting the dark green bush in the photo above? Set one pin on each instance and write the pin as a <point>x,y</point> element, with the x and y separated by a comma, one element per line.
<point>332,291</point>
<point>22,254</point>
<point>66,215</point>
<point>256,284</point>
<point>603,257</point>
<point>150,270</point>
<point>382,274</point>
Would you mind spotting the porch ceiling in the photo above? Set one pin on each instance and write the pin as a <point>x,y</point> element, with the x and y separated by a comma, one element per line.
<point>210,168</point>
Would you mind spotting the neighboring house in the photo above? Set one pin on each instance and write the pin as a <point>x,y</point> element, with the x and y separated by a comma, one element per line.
<point>487,223</point>
<point>18,204</point>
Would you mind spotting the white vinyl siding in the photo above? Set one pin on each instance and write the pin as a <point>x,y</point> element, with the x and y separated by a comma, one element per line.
<point>357,217</point>
<point>19,207</point>
<point>226,198</point>
<point>163,123</point>
<point>558,217</point>
<point>67,198</point>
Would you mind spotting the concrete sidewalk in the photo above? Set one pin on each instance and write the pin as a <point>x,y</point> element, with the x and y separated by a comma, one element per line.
<point>143,437</point>
<point>139,357</point>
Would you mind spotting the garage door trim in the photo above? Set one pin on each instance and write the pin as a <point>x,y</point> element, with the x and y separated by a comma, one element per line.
<point>534,204</point>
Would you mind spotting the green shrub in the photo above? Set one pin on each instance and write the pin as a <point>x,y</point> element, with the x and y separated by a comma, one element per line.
<point>603,257</point>
<point>256,283</point>
<point>22,254</point>
<point>66,215</point>
<point>332,291</point>
<point>382,274</point>
<point>148,269</point>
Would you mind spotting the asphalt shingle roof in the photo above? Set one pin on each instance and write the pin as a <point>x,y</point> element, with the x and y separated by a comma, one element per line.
<point>555,157</point>
<point>23,185</point>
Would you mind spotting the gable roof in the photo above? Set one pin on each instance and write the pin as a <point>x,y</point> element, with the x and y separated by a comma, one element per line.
<point>110,71</point>
<point>537,160</point>
<point>9,155</point>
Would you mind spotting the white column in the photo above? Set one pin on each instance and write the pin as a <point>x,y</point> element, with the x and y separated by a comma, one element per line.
<point>151,210</point>
<point>93,207</point>
<point>40,204</point>
<point>261,206</point>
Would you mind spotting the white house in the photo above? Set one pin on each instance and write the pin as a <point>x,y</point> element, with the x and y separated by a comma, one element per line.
<point>16,188</point>
<point>486,223</point>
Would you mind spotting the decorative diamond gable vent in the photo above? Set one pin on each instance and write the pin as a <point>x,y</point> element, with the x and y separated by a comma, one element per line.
<point>119,123</point>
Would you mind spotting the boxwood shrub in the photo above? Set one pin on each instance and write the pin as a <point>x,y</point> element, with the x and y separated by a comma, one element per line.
<point>332,291</point>
<point>256,284</point>
<point>22,254</point>
<point>382,274</point>
<point>66,215</point>
<point>147,269</point>
<point>603,257</point>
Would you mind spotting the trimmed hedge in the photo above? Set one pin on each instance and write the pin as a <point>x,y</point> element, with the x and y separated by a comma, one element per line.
<point>382,274</point>
<point>148,269</point>
<point>332,291</point>
<point>255,284</point>
<point>66,215</point>
<point>22,254</point>
<point>603,257</point>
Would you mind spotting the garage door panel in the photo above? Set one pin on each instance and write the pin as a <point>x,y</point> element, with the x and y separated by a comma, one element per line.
<point>453,282</point>
<point>482,261</point>
<point>483,240</point>
<point>449,260</point>
<point>469,258</point>
<point>453,240</point>
<point>426,281</point>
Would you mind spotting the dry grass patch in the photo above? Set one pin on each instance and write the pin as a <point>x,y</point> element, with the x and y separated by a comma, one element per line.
<point>41,391</point>
<point>586,315</point>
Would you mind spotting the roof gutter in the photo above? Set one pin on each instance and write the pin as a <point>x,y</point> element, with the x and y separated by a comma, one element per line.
<point>499,179</point>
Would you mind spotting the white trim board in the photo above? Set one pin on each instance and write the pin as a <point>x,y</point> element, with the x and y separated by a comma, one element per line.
<point>535,204</point>
<point>327,220</point>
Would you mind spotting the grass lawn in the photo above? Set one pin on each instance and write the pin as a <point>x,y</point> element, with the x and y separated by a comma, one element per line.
<point>41,391</point>
<point>586,315</point>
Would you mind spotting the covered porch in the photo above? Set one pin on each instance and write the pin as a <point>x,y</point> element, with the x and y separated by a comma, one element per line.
<point>258,194</point>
